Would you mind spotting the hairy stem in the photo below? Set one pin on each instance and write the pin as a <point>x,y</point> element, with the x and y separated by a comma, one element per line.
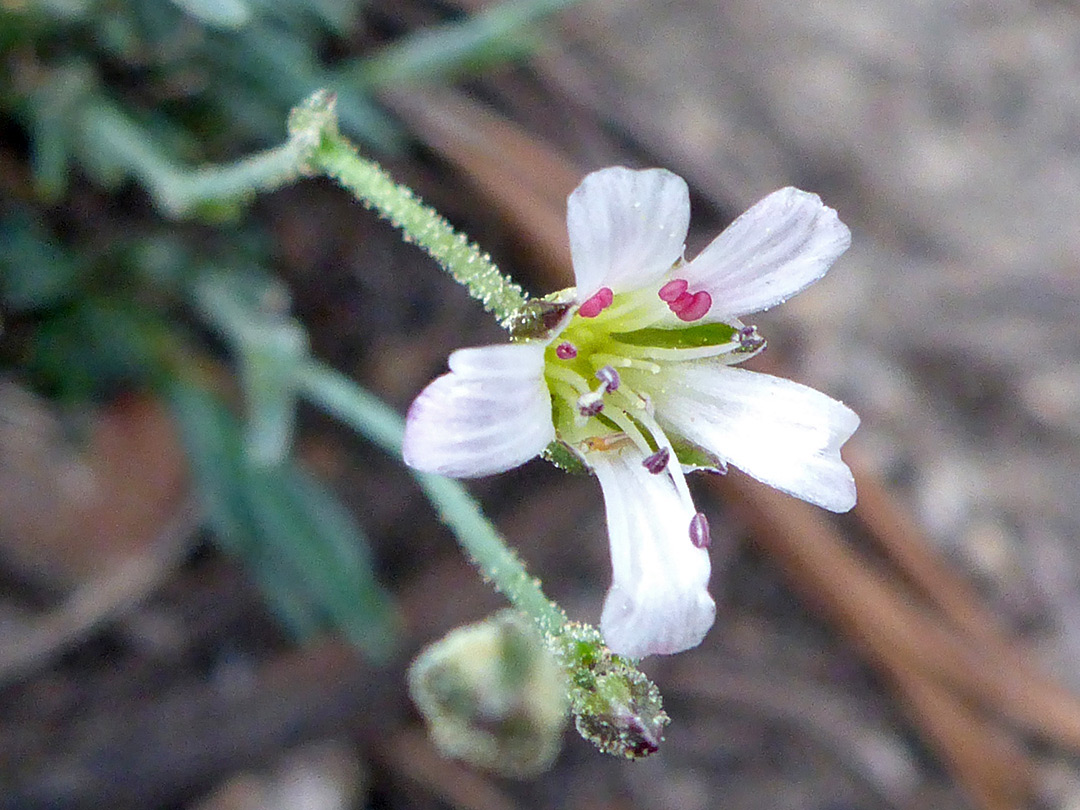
<point>123,146</point>
<point>421,224</point>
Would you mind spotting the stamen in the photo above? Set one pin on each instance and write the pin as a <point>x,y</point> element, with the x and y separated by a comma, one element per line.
<point>630,429</point>
<point>566,350</point>
<point>562,390</point>
<point>699,531</point>
<point>749,339</point>
<point>658,461</point>
<point>590,404</point>
<point>597,303</point>
<point>568,376</point>
<point>645,417</point>
<point>691,307</point>
<point>672,290</point>
<point>681,301</point>
<point>646,353</point>
<point>609,377</point>
<point>686,305</point>
<point>618,361</point>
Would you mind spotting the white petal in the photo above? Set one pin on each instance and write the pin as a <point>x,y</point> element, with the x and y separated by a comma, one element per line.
<point>659,600</point>
<point>780,246</point>
<point>490,413</point>
<point>783,434</point>
<point>626,227</point>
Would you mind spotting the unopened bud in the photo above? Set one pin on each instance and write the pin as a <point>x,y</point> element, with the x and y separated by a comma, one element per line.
<point>493,695</point>
<point>615,706</point>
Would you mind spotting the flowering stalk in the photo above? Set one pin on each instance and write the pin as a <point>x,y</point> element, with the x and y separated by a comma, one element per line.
<point>463,260</point>
<point>120,146</point>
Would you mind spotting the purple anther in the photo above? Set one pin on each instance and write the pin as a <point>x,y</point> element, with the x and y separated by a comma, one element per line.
<point>590,404</point>
<point>609,377</point>
<point>699,531</point>
<point>749,339</point>
<point>566,350</point>
<point>657,462</point>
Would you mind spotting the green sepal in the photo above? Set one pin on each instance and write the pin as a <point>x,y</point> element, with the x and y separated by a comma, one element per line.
<point>562,456</point>
<point>615,706</point>
<point>696,457</point>
<point>690,337</point>
<point>537,319</point>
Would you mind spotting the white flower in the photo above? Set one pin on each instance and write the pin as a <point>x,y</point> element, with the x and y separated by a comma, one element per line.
<point>636,378</point>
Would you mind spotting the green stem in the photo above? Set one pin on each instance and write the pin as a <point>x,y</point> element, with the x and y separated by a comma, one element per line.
<point>492,36</point>
<point>122,145</point>
<point>372,418</point>
<point>463,260</point>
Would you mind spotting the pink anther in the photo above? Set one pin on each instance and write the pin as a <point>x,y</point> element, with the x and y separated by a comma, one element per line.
<point>686,305</point>
<point>597,303</point>
<point>690,310</point>
<point>673,289</point>
<point>566,350</point>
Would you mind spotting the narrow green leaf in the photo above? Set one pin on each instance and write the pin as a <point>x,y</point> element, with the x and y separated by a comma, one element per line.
<point>217,13</point>
<point>35,272</point>
<point>303,548</point>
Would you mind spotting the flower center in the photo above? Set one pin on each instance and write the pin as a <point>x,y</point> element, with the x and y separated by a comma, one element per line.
<point>616,349</point>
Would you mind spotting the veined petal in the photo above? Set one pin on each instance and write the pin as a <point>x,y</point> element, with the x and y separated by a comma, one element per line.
<point>627,227</point>
<point>780,246</point>
<point>490,413</point>
<point>659,601</point>
<point>780,432</point>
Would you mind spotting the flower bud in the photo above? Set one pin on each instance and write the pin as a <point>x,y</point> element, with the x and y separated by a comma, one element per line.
<point>615,706</point>
<point>493,695</point>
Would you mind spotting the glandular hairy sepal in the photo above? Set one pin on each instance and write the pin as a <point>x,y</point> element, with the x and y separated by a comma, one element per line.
<point>694,457</point>
<point>494,695</point>
<point>540,318</point>
<point>615,706</point>
<point>563,456</point>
